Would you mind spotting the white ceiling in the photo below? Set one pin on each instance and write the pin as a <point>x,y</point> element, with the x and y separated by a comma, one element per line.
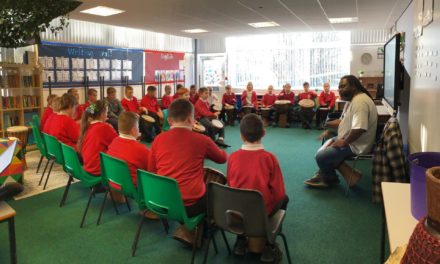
<point>224,18</point>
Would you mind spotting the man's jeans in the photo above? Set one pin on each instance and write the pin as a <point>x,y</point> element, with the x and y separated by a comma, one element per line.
<point>329,158</point>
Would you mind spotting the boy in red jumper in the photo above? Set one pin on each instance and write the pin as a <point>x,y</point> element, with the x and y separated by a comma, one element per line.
<point>327,100</point>
<point>204,116</point>
<point>306,114</point>
<point>268,101</point>
<point>253,168</point>
<point>126,148</point>
<point>249,97</point>
<point>48,111</point>
<point>167,98</point>
<point>62,126</point>
<point>149,101</point>
<point>193,95</point>
<point>96,135</point>
<point>286,94</point>
<point>130,104</point>
<point>166,159</point>
<point>229,99</point>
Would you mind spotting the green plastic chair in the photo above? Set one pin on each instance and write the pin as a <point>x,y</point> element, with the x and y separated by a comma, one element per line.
<point>54,154</point>
<point>37,121</point>
<point>161,195</point>
<point>75,170</point>
<point>116,176</point>
<point>40,144</point>
<point>166,125</point>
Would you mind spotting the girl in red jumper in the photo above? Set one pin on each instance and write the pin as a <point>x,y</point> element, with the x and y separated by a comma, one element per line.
<point>48,111</point>
<point>96,135</point>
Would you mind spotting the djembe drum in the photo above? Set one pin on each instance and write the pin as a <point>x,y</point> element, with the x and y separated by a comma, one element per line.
<point>217,124</point>
<point>307,104</point>
<point>149,119</point>
<point>199,128</point>
<point>213,175</point>
<point>229,109</point>
<point>282,107</point>
<point>247,109</point>
<point>21,133</point>
<point>265,114</point>
<point>217,108</point>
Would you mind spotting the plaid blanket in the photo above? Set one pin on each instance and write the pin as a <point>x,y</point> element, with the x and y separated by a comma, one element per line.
<point>388,160</point>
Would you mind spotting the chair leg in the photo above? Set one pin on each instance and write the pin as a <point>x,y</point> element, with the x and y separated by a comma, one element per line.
<point>166,226</point>
<point>196,235</point>
<point>205,257</point>
<point>12,243</point>
<point>39,163</point>
<point>44,171</point>
<point>214,243</point>
<point>136,237</point>
<point>66,191</point>
<point>128,203</point>
<point>286,248</point>
<point>226,241</point>
<point>102,208</point>
<point>48,174</point>
<point>114,203</point>
<point>87,208</point>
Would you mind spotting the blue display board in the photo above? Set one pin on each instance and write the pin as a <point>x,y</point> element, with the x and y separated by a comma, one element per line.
<point>68,65</point>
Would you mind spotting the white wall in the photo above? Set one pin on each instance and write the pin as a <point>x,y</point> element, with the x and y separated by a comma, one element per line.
<point>373,69</point>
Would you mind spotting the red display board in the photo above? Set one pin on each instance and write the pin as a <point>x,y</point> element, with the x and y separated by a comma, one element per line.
<point>163,66</point>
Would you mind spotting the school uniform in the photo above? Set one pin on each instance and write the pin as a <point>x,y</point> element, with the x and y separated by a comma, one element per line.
<point>134,153</point>
<point>153,108</point>
<point>253,168</point>
<point>132,105</point>
<point>306,115</point>
<point>269,101</point>
<point>166,101</point>
<point>229,99</point>
<point>204,116</point>
<point>193,98</point>
<point>64,128</point>
<point>326,104</point>
<point>249,99</point>
<point>47,112</point>
<point>286,96</point>
<point>97,138</point>
<point>166,159</point>
<point>49,123</point>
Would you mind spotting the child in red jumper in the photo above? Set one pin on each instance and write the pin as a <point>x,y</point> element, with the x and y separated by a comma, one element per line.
<point>268,101</point>
<point>48,111</point>
<point>126,148</point>
<point>193,95</point>
<point>253,168</point>
<point>61,125</point>
<point>306,114</point>
<point>166,159</point>
<point>96,135</point>
<point>167,98</point>
<point>204,116</point>
<point>249,97</point>
<point>149,101</point>
<point>130,104</point>
<point>228,100</point>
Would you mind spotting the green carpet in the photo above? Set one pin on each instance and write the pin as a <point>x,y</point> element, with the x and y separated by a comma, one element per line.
<point>322,226</point>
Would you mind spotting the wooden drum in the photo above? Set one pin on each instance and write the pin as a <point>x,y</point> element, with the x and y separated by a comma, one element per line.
<point>307,104</point>
<point>282,107</point>
<point>213,175</point>
<point>217,124</point>
<point>149,119</point>
<point>229,109</point>
<point>265,114</point>
<point>199,128</point>
<point>247,109</point>
<point>21,133</point>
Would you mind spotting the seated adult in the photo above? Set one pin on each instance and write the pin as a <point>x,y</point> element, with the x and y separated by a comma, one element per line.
<point>356,135</point>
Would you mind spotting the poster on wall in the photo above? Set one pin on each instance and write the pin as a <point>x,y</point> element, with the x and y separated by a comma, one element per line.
<point>163,67</point>
<point>67,65</point>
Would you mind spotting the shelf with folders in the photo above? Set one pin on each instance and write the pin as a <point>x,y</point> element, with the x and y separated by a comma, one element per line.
<point>21,95</point>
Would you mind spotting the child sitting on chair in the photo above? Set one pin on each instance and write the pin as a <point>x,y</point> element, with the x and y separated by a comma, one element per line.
<point>127,148</point>
<point>48,111</point>
<point>166,159</point>
<point>253,168</point>
<point>96,135</point>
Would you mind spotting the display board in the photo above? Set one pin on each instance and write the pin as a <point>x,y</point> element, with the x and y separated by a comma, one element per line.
<point>68,65</point>
<point>163,67</point>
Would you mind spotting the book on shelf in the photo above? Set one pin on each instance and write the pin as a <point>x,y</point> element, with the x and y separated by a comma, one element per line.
<point>11,101</point>
<point>10,120</point>
<point>31,100</point>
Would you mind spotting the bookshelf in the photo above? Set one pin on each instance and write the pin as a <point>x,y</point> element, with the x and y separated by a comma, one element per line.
<point>21,95</point>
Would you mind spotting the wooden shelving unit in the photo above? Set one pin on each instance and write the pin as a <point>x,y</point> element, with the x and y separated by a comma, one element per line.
<point>21,94</point>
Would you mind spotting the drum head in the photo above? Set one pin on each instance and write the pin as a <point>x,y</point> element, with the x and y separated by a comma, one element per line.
<point>148,118</point>
<point>265,108</point>
<point>17,129</point>
<point>217,108</point>
<point>199,128</point>
<point>229,107</point>
<point>217,123</point>
<point>307,103</point>
<point>282,102</point>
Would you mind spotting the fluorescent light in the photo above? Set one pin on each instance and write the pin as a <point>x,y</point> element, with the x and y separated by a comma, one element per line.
<point>341,20</point>
<point>263,24</point>
<point>102,11</point>
<point>195,30</point>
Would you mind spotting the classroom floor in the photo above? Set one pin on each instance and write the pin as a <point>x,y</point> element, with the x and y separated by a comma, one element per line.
<point>322,226</point>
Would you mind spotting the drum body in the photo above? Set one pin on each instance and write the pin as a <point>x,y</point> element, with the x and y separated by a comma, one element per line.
<point>217,125</point>
<point>213,175</point>
<point>217,108</point>
<point>230,113</point>
<point>265,114</point>
<point>21,133</point>
<point>247,109</point>
<point>282,107</point>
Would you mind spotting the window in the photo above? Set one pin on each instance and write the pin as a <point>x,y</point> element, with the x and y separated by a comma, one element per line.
<point>276,59</point>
